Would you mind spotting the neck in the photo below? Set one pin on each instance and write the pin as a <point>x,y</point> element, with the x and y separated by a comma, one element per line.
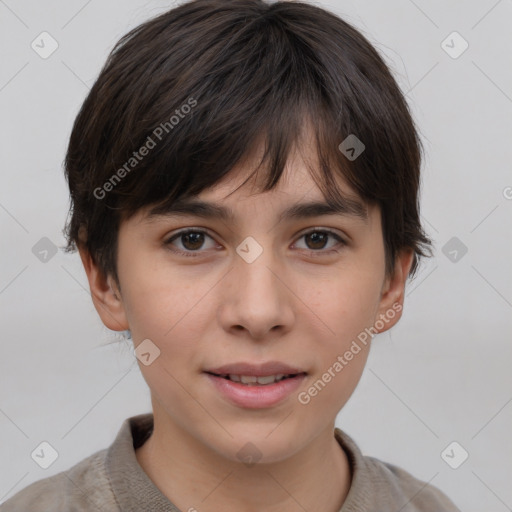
<point>194,477</point>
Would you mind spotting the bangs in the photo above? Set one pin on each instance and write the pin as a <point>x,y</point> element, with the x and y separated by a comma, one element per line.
<point>278,142</point>
<point>236,109</point>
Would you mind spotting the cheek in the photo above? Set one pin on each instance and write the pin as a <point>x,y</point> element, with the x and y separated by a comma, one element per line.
<point>347,307</point>
<point>346,303</point>
<point>160,298</point>
<point>169,308</point>
<point>341,361</point>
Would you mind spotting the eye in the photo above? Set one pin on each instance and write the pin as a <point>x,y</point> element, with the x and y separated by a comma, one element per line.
<point>316,241</point>
<point>192,240</point>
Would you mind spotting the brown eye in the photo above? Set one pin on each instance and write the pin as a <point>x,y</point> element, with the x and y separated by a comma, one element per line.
<point>317,241</point>
<point>190,241</point>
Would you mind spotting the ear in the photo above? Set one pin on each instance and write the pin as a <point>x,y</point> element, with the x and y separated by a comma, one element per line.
<point>106,300</point>
<point>392,294</point>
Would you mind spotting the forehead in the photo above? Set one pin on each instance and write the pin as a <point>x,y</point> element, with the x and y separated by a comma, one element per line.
<point>295,196</point>
<point>299,193</point>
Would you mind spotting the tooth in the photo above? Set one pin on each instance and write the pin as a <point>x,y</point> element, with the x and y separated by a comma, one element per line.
<point>234,378</point>
<point>279,376</point>
<point>248,379</point>
<point>266,380</point>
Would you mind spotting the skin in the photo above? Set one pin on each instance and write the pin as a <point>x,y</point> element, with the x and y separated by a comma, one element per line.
<point>213,309</point>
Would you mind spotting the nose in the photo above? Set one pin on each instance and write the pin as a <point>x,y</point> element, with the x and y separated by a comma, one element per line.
<point>257,299</point>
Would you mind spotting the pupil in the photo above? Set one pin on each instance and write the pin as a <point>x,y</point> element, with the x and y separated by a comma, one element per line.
<point>316,236</point>
<point>195,239</point>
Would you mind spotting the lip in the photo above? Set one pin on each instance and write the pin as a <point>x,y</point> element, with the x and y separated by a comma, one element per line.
<point>256,396</point>
<point>256,370</point>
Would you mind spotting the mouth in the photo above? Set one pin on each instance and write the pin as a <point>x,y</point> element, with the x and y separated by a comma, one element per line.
<point>251,386</point>
<point>253,380</point>
<point>246,369</point>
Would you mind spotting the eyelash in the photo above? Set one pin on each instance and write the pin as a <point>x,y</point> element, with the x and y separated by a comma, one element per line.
<point>195,254</point>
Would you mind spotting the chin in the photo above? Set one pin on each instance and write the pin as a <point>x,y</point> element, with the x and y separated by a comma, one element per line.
<point>260,447</point>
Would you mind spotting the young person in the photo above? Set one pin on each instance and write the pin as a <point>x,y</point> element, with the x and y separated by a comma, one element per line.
<point>244,179</point>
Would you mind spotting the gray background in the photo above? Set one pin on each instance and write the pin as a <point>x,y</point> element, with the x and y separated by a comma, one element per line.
<point>441,375</point>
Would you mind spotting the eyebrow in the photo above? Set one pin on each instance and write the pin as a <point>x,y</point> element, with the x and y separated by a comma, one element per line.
<point>207,210</point>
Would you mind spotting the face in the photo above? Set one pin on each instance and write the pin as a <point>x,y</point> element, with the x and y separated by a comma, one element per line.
<point>303,292</point>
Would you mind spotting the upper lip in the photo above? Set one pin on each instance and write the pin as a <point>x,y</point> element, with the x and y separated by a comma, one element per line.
<point>256,370</point>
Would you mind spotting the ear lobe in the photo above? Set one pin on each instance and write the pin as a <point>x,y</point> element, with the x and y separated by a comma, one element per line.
<point>106,300</point>
<point>392,295</point>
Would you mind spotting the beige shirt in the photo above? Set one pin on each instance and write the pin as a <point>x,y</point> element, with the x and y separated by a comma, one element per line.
<point>112,480</point>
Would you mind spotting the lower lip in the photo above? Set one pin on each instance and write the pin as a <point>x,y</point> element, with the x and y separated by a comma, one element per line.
<point>258,396</point>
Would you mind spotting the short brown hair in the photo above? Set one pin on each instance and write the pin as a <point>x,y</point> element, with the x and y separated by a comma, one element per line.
<point>242,69</point>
